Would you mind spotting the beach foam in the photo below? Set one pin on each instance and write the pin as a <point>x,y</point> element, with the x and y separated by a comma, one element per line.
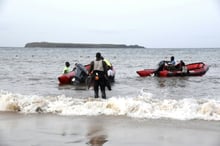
<point>142,106</point>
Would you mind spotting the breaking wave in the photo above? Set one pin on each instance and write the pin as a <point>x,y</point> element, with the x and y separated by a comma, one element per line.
<point>142,106</point>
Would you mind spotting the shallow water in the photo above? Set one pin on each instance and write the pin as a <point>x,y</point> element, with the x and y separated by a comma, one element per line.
<point>29,80</point>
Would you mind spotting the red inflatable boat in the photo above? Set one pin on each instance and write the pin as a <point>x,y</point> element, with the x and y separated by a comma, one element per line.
<point>80,74</point>
<point>67,78</point>
<point>193,69</point>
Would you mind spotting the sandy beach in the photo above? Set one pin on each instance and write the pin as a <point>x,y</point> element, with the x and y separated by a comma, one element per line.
<point>162,59</point>
<point>54,130</point>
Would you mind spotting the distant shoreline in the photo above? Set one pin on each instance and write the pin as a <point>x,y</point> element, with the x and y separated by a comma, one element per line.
<point>77,45</point>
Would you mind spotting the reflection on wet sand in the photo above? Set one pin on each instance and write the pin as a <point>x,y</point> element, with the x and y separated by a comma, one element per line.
<point>96,135</point>
<point>97,140</point>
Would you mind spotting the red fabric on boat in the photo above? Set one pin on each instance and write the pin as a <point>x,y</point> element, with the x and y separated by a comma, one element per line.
<point>194,69</point>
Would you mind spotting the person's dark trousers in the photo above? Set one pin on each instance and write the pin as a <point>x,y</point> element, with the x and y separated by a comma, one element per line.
<point>102,86</point>
<point>101,83</point>
<point>96,88</point>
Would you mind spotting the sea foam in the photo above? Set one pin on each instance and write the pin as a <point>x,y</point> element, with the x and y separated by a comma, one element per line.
<point>142,106</point>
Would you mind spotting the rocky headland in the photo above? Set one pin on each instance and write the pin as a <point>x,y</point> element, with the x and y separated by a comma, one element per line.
<point>77,45</point>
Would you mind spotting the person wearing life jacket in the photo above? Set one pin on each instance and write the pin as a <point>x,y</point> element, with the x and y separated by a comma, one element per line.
<point>181,66</point>
<point>110,71</point>
<point>171,64</point>
<point>109,65</point>
<point>98,70</point>
<point>66,68</point>
<point>172,61</point>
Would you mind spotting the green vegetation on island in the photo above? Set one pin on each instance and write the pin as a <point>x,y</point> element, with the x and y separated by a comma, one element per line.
<point>78,45</point>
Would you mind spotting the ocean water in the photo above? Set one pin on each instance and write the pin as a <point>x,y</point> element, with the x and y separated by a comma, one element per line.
<point>28,84</point>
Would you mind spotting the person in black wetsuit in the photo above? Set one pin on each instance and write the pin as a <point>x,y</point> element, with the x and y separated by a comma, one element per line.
<point>98,70</point>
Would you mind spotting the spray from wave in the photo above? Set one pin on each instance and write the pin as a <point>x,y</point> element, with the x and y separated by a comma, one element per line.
<point>142,106</point>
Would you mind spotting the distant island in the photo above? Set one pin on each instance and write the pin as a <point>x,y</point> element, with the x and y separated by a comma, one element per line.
<point>77,45</point>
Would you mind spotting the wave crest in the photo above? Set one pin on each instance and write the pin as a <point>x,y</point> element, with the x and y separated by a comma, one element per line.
<point>142,106</point>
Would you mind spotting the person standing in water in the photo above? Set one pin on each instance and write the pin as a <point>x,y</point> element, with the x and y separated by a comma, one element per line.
<point>98,70</point>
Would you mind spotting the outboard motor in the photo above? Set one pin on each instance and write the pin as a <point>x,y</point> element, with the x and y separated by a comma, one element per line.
<point>161,65</point>
<point>81,73</point>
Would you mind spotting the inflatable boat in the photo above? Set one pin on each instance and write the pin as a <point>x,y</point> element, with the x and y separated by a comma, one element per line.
<point>193,69</point>
<point>80,75</point>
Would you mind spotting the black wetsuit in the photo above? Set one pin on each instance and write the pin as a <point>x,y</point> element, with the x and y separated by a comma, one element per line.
<point>99,69</point>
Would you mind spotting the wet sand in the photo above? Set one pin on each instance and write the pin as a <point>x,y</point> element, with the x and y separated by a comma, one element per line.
<point>53,130</point>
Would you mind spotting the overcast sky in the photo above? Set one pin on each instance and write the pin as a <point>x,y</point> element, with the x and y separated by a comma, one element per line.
<point>150,23</point>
